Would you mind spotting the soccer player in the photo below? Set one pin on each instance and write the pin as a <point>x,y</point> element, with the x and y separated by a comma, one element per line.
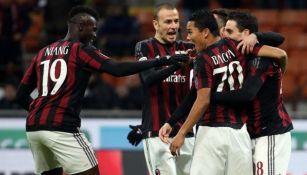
<point>164,89</point>
<point>222,144</point>
<point>268,122</point>
<point>246,45</point>
<point>60,72</point>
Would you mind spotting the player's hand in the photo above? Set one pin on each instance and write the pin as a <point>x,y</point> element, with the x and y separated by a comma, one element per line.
<point>176,144</point>
<point>177,59</point>
<point>247,44</point>
<point>183,58</point>
<point>135,135</point>
<point>164,133</point>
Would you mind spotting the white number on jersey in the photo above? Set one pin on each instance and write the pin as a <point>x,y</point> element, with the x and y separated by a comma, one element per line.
<point>230,79</point>
<point>58,80</point>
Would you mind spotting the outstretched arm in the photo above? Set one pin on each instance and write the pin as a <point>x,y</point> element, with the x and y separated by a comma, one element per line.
<point>128,68</point>
<point>92,59</point>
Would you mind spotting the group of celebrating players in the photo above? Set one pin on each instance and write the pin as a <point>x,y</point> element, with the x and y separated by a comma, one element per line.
<point>226,79</point>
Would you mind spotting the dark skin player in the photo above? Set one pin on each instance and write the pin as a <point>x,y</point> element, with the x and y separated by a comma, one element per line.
<point>82,26</point>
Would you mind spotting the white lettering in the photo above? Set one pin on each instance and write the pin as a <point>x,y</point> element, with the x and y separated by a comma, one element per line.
<point>62,50</point>
<point>224,57</point>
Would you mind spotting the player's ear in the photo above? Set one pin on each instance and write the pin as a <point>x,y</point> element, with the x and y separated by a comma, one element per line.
<point>205,32</point>
<point>155,24</point>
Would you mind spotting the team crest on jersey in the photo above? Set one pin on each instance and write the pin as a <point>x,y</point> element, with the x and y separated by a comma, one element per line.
<point>157,172</point>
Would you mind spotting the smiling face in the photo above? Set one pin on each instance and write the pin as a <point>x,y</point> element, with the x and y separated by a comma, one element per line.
<point>196,36</point>
<point>166,25</point>
<point>232,31</point>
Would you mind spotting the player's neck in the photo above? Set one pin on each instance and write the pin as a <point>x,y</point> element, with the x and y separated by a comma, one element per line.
<point>212,39</point>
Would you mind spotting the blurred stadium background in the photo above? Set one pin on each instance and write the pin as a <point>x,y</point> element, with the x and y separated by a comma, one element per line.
<point>111,104</point>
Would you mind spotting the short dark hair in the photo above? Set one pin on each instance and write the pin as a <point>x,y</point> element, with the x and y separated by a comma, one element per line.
<point>222,13</point>
<point>204,19</point>
<point>82,9</point>
<point>244,20</point>
<point>158,7</point>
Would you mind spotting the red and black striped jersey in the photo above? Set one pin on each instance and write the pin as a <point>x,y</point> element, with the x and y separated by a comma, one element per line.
<point>221,67</point>
<point>60,72</point>
<point>267,114</point>
<point>162,97</point>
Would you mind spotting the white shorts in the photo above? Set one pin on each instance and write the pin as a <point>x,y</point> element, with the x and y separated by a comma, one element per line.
<point>53,149</point>
<point>222,151</point>
<point>160,160</point>
<point>271,154</point>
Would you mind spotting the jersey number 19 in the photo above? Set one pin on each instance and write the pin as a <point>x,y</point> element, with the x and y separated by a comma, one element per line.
<point>49,71</point>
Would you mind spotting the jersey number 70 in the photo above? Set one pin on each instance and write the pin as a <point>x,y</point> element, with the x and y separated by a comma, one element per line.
<point>229,68</point>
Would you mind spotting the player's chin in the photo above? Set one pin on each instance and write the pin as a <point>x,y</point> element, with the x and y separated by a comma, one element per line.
<point>171,38</point>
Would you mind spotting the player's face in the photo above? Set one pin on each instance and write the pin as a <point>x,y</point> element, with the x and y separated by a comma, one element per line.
<point>87,29</point>
<point>166,25</point>
<point>232,31</point>
<point>196,36</point>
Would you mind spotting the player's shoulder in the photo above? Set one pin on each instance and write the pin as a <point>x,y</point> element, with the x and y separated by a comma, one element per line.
<point>145,42</point>
<point>228,41</point>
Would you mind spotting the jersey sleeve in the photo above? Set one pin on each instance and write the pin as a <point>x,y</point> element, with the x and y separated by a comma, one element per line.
<point>30,77</point>
<point>256,49</point>
<point>259,67</point>
<point>92,58</point>
<point>141,51</point>
<point>27,85</point>
<point>202,73</point>
<point>270,38</point>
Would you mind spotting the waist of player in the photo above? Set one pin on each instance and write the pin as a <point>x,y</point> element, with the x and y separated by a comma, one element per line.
<point>150,134</point>
<point>223,124</point>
